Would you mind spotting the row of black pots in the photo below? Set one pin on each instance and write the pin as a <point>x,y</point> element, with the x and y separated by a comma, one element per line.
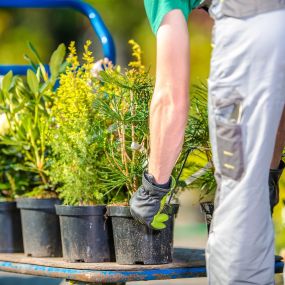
<point>83,233</point>
<point>30,225</point>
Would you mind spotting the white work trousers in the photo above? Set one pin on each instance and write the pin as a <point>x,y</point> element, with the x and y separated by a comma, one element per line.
<point>246,100</point>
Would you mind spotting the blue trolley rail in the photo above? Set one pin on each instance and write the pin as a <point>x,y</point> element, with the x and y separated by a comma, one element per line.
<point>188,263</point>
<point>86,9</point>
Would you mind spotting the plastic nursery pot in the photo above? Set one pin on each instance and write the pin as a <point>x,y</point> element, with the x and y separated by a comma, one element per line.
<point>11,240</point>
<point>208,209</point>
<point>86,233</point>
<point>137,244</point>
<point>40,226</point>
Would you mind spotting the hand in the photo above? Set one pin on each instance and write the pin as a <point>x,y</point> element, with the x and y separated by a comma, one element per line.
<point>148,203</point>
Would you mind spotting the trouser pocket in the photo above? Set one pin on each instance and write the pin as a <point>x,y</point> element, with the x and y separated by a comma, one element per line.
<point>230,149</point>
<point>228,109</point>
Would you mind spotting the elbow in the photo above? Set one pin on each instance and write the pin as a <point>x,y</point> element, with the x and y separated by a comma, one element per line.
<point>171,98</point>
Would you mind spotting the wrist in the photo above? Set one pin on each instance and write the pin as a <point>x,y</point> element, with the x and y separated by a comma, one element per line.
<point>153,181</point>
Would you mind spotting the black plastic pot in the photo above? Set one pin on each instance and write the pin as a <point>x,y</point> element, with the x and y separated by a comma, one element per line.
<point>40,225</point>
<point>137,244</point>
<point>11,240</point>
<point>86,234</point>
<point>208,209</point>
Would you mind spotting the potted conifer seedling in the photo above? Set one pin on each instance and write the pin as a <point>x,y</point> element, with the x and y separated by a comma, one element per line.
<point>26,105</point>
<point>122,103</point>
<point>77,152</point>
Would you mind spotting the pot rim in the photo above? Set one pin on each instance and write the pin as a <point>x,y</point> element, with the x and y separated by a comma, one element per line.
<point>37,204</point>
<point>68,210</point>
<point>8,206</point>
<point>124,211</point>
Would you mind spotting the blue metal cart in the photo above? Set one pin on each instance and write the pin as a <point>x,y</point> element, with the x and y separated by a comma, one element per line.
<point>188,263</point>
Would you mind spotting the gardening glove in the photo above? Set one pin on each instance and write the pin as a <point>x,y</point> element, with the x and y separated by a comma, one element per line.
<point>147,205</point>
<point>274,176</point>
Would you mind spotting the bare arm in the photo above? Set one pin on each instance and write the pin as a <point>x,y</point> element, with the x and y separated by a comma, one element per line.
<point>170,103</point>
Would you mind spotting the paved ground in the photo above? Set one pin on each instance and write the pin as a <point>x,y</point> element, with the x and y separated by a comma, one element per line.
<point>17,279</point>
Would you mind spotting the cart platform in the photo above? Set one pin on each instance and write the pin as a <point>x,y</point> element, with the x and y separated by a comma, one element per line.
<point>188,263</point>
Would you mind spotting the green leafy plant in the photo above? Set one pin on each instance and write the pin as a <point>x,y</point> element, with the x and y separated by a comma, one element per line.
<point>198,171</point>
<point>122,103</point>
<point>26,103</point>
<point>12,183</point>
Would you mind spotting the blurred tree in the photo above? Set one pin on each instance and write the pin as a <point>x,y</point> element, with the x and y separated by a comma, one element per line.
<point>18,26</point>
<point>125,19</point>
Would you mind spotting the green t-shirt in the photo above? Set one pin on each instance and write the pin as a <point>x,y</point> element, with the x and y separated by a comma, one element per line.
<point>157,9</point>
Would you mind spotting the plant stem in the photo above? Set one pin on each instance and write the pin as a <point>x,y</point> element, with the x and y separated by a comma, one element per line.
<point>123,147</point>
<point>43,178</point>
<point>135,182</point>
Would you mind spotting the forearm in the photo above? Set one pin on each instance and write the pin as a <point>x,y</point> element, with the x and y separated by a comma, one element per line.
<point>168,119</point>
<point>170,103</point>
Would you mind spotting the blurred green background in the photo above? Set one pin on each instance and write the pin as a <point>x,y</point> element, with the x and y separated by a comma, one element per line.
<point>125,19</point>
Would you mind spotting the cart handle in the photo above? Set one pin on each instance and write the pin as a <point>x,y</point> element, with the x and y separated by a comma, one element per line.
<point>94,17</point>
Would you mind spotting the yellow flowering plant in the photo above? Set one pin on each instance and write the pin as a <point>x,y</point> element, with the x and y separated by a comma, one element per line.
<point>73,133</point>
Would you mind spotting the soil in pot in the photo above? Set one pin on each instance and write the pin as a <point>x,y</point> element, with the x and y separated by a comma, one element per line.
<point>208,209</point>
<point>137,244</point>
<point>11,240</point>
<point>40,226</point>
<point>86,234</point>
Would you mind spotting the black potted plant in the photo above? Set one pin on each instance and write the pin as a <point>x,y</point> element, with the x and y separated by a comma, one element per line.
<point>86,233</point>
<point>122,102</point>
<point>26,105</point>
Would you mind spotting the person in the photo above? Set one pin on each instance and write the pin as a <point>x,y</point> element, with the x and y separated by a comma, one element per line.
<point>246,114</point>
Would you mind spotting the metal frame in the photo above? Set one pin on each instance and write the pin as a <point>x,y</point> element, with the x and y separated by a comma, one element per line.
<point>94,17</point>
<point>103,276</point>
<point>88,276</point>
